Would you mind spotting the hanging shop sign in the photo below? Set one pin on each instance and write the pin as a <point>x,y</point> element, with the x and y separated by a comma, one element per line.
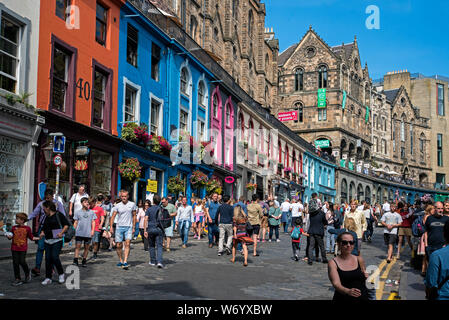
<point>322,98</point>
<point>152,186</point>
<point>229,179</point>
<point>82,151</point>
<point>288,116</point>
<point>81,165</point>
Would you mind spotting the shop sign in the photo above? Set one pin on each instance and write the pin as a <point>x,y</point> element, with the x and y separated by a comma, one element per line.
<point>288,116</point>
<point>322,98</point>
<point>322,143</point>
<point>81,165</point>
<point>82,151</point>
<point>229,179</point>
<point>152,174</point>
<point>152,186</point>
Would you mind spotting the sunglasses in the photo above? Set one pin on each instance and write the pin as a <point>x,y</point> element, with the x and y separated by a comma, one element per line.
<point>345,242</point>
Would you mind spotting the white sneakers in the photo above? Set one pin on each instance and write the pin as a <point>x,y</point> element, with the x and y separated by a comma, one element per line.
<point>48,281</point>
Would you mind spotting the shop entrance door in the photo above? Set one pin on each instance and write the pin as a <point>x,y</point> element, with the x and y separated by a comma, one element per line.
<point>141,191</point>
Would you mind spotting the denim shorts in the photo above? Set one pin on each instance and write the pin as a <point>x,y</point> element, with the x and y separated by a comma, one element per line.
<point>123,233</point>
<point>96,238</point>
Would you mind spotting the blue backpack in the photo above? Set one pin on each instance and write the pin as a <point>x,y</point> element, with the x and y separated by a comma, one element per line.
<point>418,228</point>
<point>296,233</point>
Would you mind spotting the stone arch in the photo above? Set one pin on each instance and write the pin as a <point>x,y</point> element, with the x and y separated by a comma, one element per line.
<point>368,194</point>
<point>360,192</point>
<point>351,194</point>
<point>344,190</point>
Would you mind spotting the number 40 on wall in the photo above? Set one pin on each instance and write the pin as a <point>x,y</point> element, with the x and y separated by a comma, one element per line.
<point>84,89</point>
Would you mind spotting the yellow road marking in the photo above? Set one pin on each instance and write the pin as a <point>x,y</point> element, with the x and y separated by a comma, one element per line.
<point>380,291</point>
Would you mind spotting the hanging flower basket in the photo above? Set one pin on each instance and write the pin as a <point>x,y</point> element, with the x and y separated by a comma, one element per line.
<point>159,145</point>
<point>134,133</point>
<point>251,186</point>
<point>130,169</point>
<point>198,179</point>
<point>214,185</point>
<point>175,185</point>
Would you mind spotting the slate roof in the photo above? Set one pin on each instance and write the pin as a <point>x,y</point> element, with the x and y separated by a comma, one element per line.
<point>347,48</point>
<point>391,94</point>
<point>283,57</point>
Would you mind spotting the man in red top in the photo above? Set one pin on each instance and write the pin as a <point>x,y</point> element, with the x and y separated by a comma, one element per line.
<point>405,230</point>
<point>95,206</point>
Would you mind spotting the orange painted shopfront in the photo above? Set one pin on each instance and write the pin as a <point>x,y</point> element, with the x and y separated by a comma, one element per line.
<point>78,61</point>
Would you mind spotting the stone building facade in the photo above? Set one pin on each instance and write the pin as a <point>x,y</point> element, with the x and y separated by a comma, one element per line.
<point>233,32</point>
<point>431,96</point>
<point>310,65</point>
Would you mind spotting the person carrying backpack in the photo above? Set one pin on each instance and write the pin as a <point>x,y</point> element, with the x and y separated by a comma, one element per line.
<point>296,237</point>
<point>154,231</point>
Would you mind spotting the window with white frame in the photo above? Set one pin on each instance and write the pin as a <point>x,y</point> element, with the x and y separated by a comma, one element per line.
<point>228,152</point>
<point>329,178</point>
<point>184,81</point>
<point>183,120</point>
<point>322,114</point>
<point>215,106</point>
<point>312,174</point>
<point>9,53</point>
<point>201,129</point>
<point>155,117</point>
<point>306,171</point>
<point>201,93</point>
<point>130,107</point>
<point>99,99</point>
<point>61,60</point>
<point>228,115</point>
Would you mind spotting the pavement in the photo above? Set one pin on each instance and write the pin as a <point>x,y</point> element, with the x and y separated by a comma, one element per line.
<point>197,273</point>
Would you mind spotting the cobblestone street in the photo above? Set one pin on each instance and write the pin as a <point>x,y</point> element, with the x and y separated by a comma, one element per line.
<point>193,273</point>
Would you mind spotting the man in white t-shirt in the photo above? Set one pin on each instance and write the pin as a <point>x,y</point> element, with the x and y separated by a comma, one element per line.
<point>297,209</point>
<point>125,226</point>
<point>75,200</point>
<point>285,208</point>
<point>391,221</point>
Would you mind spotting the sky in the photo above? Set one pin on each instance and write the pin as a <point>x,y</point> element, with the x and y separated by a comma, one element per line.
<point>412,34</point>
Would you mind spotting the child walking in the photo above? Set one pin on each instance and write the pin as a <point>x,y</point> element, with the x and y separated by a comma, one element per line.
<point>296,237</point>
<point>20,234</point>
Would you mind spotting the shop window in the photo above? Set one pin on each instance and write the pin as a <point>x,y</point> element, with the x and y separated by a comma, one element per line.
<point>12,159</point>
<point>101,167</point>
<point>101,24</point>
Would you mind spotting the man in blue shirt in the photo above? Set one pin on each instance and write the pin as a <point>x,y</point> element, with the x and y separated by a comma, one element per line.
<point>39,212</point>
<point>225,215</point>
<point>211,214</point>
<point>242,204</point>
<point>437,276</point>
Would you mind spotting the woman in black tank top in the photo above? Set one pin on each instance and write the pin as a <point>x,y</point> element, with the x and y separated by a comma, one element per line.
<point>348,284</point>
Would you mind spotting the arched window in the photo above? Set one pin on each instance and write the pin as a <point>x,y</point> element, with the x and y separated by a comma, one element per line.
<point>215,106</point>
<point>184,81</point>
<point>300,109</point>
<point>250,22</point>
<point>299,79</point>
<point>235,4</point>
<point>193,27</point>
<point>201,93</point>
<point>403,128</point>
<point>251,132</point>
<point>322,77</point>
<point>241,126</point>
<point>228,114</point>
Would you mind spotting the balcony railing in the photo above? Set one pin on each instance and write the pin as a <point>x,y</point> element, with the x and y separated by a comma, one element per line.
<point>408,182</point>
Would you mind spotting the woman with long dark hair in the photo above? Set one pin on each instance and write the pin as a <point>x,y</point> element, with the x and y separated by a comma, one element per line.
<point>53,229</point>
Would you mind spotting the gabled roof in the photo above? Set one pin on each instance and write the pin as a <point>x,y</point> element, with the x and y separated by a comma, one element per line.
<point>391,94</point>
<point>283,57</point>
<point>346,48</point>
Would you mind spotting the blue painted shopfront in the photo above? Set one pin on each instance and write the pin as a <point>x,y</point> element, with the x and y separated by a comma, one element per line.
<point>319,178</point>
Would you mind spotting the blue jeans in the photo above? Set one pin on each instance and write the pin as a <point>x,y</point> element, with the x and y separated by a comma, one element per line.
<point>40,251</point>
<point>184,227</point>
<point>155,237</point>
<point>289,221</point>
<point>136,233</point>
<point>212,229</point>
<point>330,238</point>
<point>52,258</point>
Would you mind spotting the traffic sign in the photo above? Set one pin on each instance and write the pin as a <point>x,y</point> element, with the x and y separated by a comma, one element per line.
<point>58,144</point>
<point>57,160</point>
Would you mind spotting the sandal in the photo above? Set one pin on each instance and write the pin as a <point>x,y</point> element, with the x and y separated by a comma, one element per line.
<point>245,264</point>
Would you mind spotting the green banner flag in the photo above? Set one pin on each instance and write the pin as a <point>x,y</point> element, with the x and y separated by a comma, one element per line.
<point>322,143</point>
<point>350,166</point>
<point>367,114</point>
<point>343,104</point>
<point>343,163</point>
<point>322,98</point>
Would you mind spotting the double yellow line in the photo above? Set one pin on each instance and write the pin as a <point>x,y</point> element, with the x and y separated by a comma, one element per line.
<point>383,277</point>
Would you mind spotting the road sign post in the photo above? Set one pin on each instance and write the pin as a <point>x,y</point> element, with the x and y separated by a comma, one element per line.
<point>57,161</point>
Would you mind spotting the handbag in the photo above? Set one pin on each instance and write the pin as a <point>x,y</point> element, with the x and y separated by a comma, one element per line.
<point>70,233</point>
<point>249,228</point>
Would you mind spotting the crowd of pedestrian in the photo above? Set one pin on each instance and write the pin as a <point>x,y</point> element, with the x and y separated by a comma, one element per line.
<point>329,230</point>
